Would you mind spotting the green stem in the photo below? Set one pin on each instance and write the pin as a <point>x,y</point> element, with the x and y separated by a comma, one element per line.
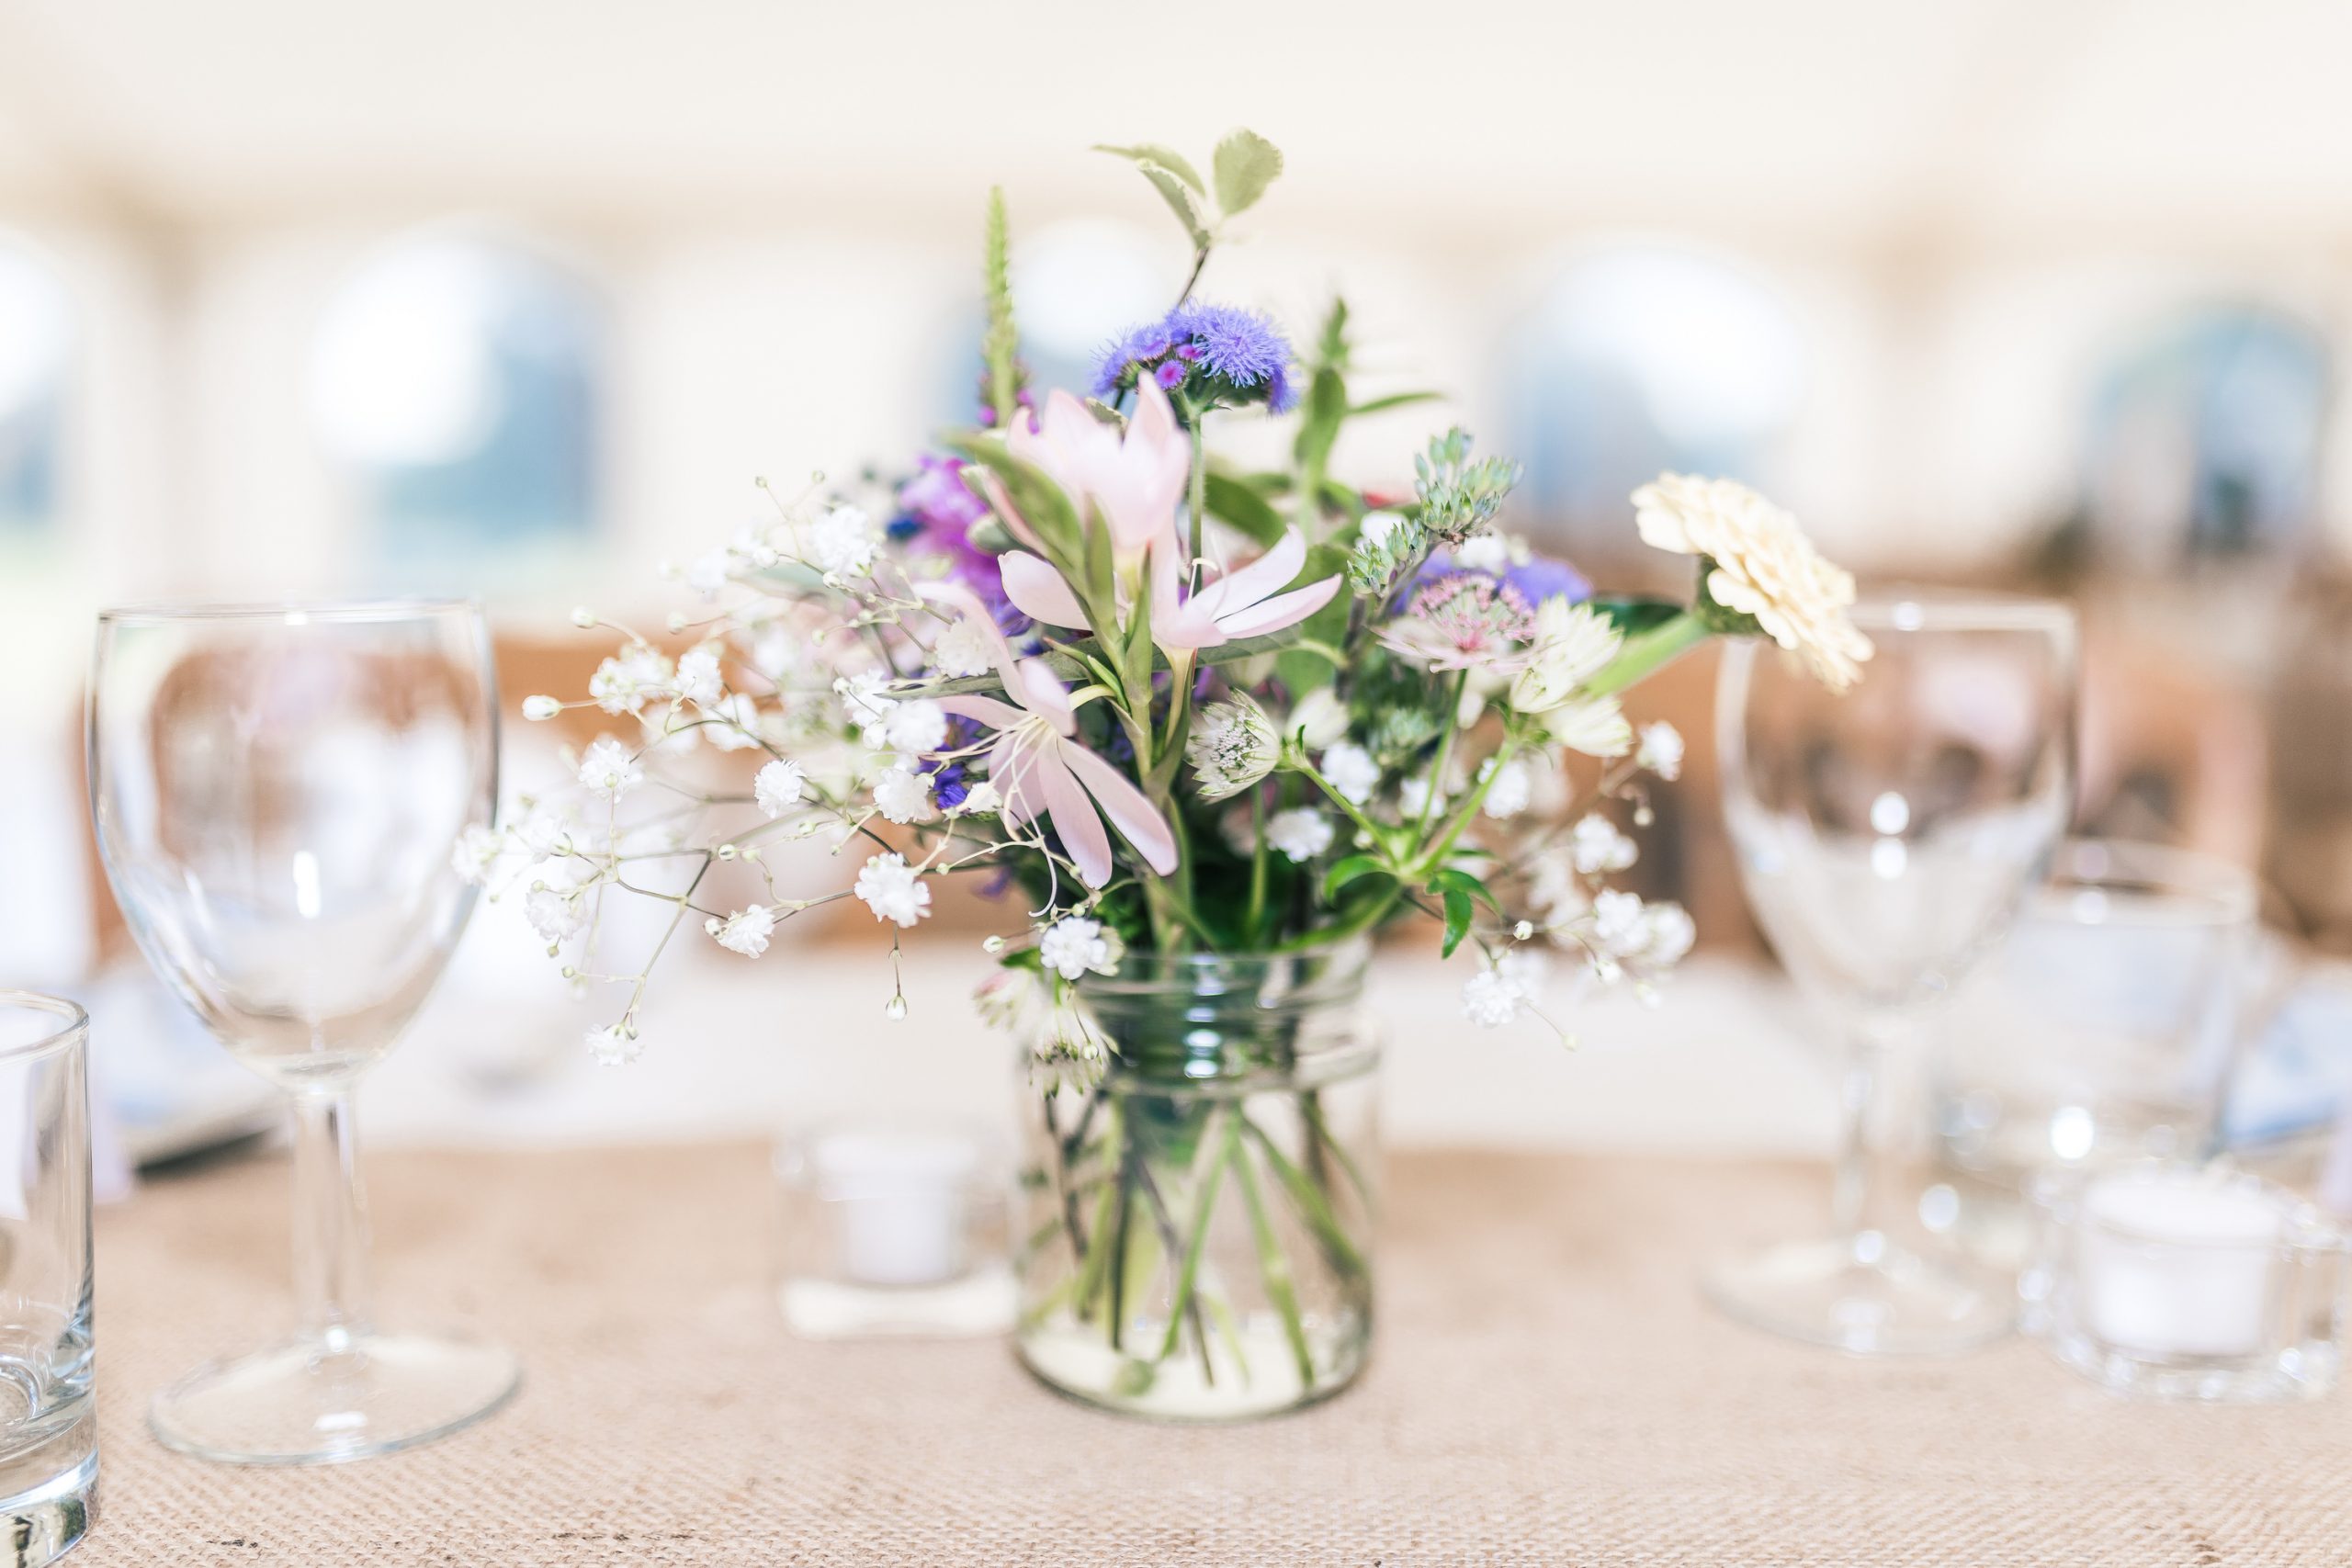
<point>1444,753</point>
<point>1271,1265</point>
<point>1188,1273</point>
<point>1644,653</point>
<point>1312,1206</point>
<point>1257,862</point>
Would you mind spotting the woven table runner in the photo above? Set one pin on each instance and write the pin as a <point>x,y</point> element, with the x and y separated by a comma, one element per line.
<point>1547,1389</point>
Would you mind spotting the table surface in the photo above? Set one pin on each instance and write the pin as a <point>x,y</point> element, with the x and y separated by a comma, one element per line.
<point>1547,1389</point>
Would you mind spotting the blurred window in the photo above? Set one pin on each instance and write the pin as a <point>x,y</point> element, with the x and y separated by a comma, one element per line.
<point>1640,359</point>
<point>459,378</point>
<point>36,346</point>
<point>1075,285</point>
<point>2203,438</point>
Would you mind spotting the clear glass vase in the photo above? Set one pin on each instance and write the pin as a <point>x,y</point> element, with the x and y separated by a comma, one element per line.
<point>1198,1229</point>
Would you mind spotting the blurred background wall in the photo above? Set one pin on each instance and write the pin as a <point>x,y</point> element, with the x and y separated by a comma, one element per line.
<point>516,299</point>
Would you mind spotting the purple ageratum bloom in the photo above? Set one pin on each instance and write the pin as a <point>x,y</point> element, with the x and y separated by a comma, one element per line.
<point>1224,343</point>
<point>1536,580</point>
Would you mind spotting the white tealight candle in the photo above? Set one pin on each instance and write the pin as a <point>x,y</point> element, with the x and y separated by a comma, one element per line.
<point>2172,1264</point>
<point>899,1199</point>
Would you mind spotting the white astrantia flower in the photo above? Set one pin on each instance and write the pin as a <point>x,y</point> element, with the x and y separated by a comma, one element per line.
<point>606,769</point>
<point>555,913</point>
<point>613,1047</point>
<point>1232,746</point>
<point>1351,770</point>
<point>1009,1000</point>
<point>538,708</point>
<point>624,683</point>
<point>893,890</point>
<point>698,679</point>
<point>1074,946</point>
<point>1573,644</point>
<point>843,542</point>
<point>904,796</point>
<point>737,728</point>
<point>779,787</point>
<point>1300,834</point>
<point>1594,725</point>
<point>745,932</point>
<point>1760,564</point>
<point>1510,792</point>
<point>1660,751</point>
<point>966,647</point>
<point>1597,848</point>
<point>917,726</point>
<point>1318,721</point>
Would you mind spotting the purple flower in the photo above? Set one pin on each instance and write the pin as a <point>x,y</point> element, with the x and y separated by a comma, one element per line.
<point>941,512</point>
<point>1240,356</point>
<point>1534,581</point>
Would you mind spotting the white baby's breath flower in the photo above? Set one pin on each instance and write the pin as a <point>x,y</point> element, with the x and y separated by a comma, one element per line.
<point>843,542</point>
<point>540,834</point>
<point>1493,998</point>
<point>1413,797</point>
<point>893,890</point>
<point>1660,751</point>
<point>737,728</point>
<point>624,683</point>
<point>699,677</point>
<point>555,913</point>
<point>1619,925</point>
<point>775,651</point>
<point>915,727</point>
<point>745,932</point>
<point>1351,770</point>
<point>979,800</point>
<point>709,574</point>
<point>863,700</point>
<point>904,796</point>
<point>966,647</point>
<point>1318,720</point>
<point>1300,834</point>
<point>779,787</point>
<point>1762,565</point>
<point>606,769</point>
<point>613,1047</point>
<point>538,708</point>
<point>1597,848</point>
<point>1510,792</point>
<point>1672,931</point>
<point>1076,945</point>
<point>475,854</point>
<point>1555,890</point>
<point>1232,746</point>
<point>1573,644</point>
<point>1594,725</point>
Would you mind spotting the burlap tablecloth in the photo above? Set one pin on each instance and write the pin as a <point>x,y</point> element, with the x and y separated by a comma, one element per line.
<point>1548,1389</point>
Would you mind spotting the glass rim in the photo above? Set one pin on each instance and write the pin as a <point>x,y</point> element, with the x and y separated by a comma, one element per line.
<point>2303,1226</point>
<point>331,611</point>
<point>2228,892</point>
<point>1141,973</point>
<point>1907,607</point>
<point>76,1023</point>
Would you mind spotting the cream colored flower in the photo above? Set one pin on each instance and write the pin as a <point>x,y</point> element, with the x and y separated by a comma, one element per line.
<point>1762,565</point>
<point>1573,644</point>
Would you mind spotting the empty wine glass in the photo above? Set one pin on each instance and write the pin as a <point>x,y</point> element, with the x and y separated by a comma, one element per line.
<point>1886,839</point>
<point>276,791</point>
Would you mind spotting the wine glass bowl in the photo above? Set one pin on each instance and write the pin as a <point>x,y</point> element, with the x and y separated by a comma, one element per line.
<point>1886,839</point>
<point>277,790</point>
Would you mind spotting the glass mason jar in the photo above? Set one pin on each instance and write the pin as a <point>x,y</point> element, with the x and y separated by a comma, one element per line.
<point>1198,1225</point>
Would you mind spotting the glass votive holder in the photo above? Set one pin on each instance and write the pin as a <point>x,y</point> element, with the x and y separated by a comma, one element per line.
<point>893,1229</point>
<point>2179,1281</point>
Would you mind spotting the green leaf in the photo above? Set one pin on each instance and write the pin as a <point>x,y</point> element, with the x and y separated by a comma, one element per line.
<point>1035,495</point>
<point>1634,612</point>
<point>1327,410</point>
<point>1245,164</point>
<point>1457,918</point>
<point>1234,501</point>
<point>1348,870</point>
<point>1453,879</point>
<point>1166,158</point>
<point>1000,347</point>
<point>1179,201</point>
<point>1394,401</point>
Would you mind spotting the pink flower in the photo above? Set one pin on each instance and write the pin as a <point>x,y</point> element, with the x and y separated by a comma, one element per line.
<point>1132,481</point>
<point>1225,607</point>
<point>1039,768</point>
<point>1465,620</point>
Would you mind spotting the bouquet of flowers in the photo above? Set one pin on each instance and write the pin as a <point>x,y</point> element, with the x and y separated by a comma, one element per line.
<point>1206,722</point>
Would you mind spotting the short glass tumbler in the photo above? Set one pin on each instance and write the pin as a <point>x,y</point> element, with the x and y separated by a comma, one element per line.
<point>1198,1227</point>
<point>2174,1281</point>
<point>49,1430</point>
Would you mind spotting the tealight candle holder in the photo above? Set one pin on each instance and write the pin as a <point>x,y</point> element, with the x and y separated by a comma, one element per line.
<point>2178,1282</point>
<point>893,1230</point>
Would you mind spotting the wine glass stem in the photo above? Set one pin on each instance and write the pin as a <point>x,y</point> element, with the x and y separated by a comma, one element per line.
<point>330,1218</point>
<point>1865,1182</point>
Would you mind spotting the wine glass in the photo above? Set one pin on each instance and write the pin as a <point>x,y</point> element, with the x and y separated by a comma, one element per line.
<point>276,791</point>
<point>1885,837</point>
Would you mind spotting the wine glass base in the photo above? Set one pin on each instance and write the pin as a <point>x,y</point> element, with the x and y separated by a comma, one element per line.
<point>1865,1294</point>
<point>324,1401</point>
